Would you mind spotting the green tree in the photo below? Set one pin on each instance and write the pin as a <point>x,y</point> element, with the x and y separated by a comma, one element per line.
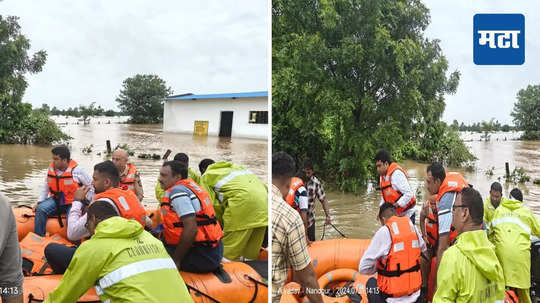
<point>88,111</point>
<point>350,77</point>
<point>488,127</point>
<point>526,112</point>
<point>17,120</point>
<point>141,98</point>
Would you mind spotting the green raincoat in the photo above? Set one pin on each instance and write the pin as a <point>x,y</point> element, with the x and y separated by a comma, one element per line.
<point>191,174</point>
<point>470,271</point>
<point>239,197</point>
<point>136,265</point>
<point>512,226</point>
<point>489,211</point>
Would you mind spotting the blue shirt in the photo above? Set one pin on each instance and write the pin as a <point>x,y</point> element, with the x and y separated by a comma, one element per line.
<point>445,212</point>
<point>184,202</point>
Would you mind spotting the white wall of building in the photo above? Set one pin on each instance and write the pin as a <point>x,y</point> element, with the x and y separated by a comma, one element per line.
<point>180,116</point>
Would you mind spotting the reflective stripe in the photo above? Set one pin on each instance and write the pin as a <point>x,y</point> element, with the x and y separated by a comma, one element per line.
<point>36,238</point>
<point>123,202</point>
<point>132,269</point>
<point>412,227</point>
<point>399,246</point>
<point>130,176</point>
<point>395,228</point>
<point>67,182</point>
<point>430,224</point>
<point>220,197</point>
<point>291,191</point>
<point>51,169</point>
<point>26,251</point>
<point>178,195</point>
<point>512,220</point>
<point>329,276</point>
<point>415,244</point>
<point>499,301</point>
<point>229,177</point>
<point>452,183</point>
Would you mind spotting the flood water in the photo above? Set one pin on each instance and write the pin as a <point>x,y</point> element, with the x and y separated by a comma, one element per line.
<point>355,215</point>
<point>23,167</point>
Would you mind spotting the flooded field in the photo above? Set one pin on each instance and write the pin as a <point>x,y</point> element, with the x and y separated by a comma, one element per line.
<point>355,215</point>
<point>23,167</point>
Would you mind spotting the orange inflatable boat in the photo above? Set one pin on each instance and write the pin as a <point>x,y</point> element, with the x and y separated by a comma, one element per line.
<point>24,216</point>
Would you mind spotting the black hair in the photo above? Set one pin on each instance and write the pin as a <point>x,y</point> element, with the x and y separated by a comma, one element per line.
<point>110,170</point>
<point>471,198</point>
<point>516,194</point>
<point>182,157</point>
<point>62,151</point>
<point>203,165</point>
<point>101,210</point>
<point>178,168</point>
<point>437,171</point>
<point>308,163</point>
<point>282,165</point>
<point>386,207</point>
<point>384,156</point>
<point>496,186</point>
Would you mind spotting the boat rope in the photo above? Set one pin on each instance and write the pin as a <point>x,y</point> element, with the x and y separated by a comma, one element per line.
<point>201,293</point>
<point>256,282</point>
<point>324,231</point>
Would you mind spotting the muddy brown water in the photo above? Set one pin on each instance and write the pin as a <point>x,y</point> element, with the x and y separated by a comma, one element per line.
<point>354,215</point>
<point>23,167</point>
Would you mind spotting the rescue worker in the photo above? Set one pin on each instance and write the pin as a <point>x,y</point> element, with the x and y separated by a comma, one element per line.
<point>203,165</point>
<point>511,228</point>
<point>469,270</point>
<point>105,182</point>
<point>192,234</point>
<point>129,177</point>
<point>315,190</point>
<point>240,200</point>
<point>123,261</point>
<point>289,249</point>
<point>64,177</point>
<point>492,202</point>
<point>439,231</point>
<point>11,275</point>
<point>297,198</point>
<point>192,174</point>
<point>394,185</point>
<point>394,254</point>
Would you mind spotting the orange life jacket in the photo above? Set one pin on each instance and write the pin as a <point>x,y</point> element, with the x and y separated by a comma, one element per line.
<point>510,296</point>
<point>33,252</point>
<point>453,182</point>
<point>126,202</point>
<point>391,195</point>
<point>209,231</point>
<point>63,183</point>
<point>296,183</point>
<point>128,182</point>
<point>399,273</point>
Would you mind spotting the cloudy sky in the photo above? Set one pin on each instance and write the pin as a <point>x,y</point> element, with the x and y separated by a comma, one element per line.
<point>484,92</point>
<point>93,46</point>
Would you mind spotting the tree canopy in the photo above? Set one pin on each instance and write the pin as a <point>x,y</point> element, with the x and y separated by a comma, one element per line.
<point>141,98</point>
<point>526,112</point>
<point>352,76</point>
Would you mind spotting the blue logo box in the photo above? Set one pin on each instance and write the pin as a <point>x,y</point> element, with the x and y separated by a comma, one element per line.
<point>499,39</point>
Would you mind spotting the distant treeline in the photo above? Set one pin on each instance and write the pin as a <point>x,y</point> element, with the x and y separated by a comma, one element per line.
<point>80,111</point>
<point>491,126</point>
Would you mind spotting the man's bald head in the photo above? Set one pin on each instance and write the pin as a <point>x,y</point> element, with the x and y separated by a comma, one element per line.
<point>120,159</point>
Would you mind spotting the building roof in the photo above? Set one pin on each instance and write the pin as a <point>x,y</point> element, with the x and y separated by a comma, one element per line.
<point>219,96</point>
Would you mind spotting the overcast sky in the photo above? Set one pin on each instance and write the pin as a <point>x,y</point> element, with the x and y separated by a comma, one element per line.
<point>93,46</point>
<point>484,92</point>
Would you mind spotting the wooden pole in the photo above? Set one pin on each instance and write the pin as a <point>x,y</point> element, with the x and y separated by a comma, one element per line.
<point>507,167</point>
<point>109,146</point>
<point>166,155</point>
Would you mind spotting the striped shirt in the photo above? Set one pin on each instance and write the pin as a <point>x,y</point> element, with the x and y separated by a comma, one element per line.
<point>315,190</point>
<point>289,247</point>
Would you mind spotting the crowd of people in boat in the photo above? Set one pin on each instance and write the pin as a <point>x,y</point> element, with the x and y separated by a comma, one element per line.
<point>467,249</point>
<point>219,215</point>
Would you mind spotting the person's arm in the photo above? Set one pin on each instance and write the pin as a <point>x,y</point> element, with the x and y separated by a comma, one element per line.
<point>423,216</point>
<point>11,276</point>
<point>80,275</point>
<point>378,248</point>
<point>400,183</point>
<point>76,227</point>
<point>321,195</point>
<point>535,224</point>
<point>138,188</point>
<point>449,276</point>
<point>445,223</point>
<point>307,278</point>
<point>82,177</point>
<point>44,192</point>
<point>186,239</point>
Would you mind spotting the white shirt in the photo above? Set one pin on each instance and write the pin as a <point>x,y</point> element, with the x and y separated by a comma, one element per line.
<point>379,248</point>
<point>79,175</point>
<point>400,183</point>
<point>76,228</point>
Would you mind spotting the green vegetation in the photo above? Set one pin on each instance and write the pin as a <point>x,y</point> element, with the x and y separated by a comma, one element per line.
<point>78,111</point>
<point>526,112</point>
<point>478,127</point>
<point>518,175</point>
<point>141,98</point>
<point>18,122</point>
<point>350,77</point>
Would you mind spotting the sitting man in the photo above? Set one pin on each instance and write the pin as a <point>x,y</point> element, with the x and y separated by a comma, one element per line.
<point>106,180</point>
<point>192,234</point>
<point>129,176</point>
<point>124,263</point>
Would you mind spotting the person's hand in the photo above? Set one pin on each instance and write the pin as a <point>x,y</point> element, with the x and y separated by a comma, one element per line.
<point>328,221</point>
<point>308,241</point>
<point>35,206</point>
<point>80,193</point>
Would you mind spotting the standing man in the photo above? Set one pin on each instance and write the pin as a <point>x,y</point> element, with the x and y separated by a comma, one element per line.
<point>394,185</point>
<point>394,254</point>
<point>494,200</point>
<point>297,198</point>
<point>315,190</point>
<point>289,247</point>
<point>64,177</point>
<point>129,177</point>
<point>192,234</point>
<point>11,275</point>
<point>469,270</point>
<point>241,203</point>
<point>511,228</point>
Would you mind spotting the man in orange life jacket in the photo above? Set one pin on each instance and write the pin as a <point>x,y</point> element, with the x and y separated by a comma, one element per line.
<point>129,177</point>
<point>64,177</point>
<point>191,232</point>
<point>394,253</point>
<point>394,186</point>
<point>297,198</point>
<point>105,181</point>
<point>439,232</point>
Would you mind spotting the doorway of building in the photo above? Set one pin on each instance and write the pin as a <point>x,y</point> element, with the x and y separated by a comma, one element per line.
<point>225,128</point>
